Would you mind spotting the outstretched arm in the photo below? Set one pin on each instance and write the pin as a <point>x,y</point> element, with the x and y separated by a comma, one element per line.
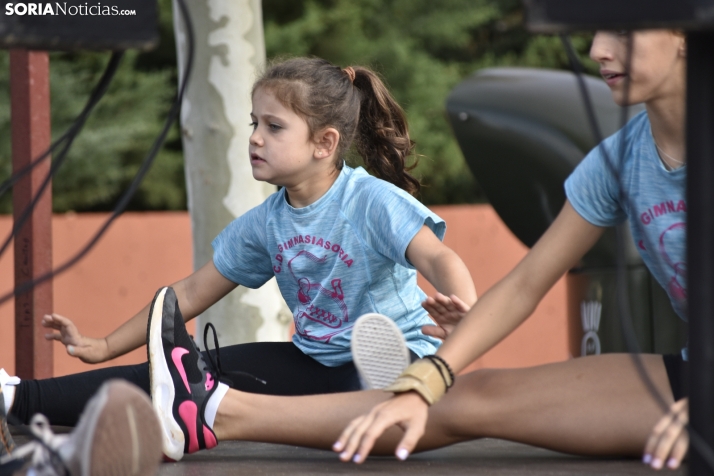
<point>443,268</point>
<point>499,311</point>
<point>195,294</point>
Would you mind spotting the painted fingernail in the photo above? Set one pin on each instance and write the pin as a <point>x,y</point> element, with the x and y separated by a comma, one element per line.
<point>657,463</point>
<point>402,453</point>
<point>672,463</point>
<point>647,459</point>
<point>337,446</point>
<point>70,349</point>
<point>357,459</point>
<point>344,455</point>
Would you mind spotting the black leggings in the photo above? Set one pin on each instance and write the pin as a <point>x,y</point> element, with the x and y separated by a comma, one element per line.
<point>286,370</point>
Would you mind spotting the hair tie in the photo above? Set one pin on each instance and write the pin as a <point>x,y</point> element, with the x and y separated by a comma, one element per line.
<point>350,73</point>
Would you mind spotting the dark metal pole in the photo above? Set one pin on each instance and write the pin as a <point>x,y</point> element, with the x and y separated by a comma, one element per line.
<point>700,241</point>
<point>30,113</point>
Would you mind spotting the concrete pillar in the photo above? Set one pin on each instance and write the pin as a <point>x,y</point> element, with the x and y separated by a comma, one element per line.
<point>215,132</point>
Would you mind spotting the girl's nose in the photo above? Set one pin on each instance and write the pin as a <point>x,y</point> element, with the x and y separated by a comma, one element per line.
<point>255,139</point>
<point>601,49</point>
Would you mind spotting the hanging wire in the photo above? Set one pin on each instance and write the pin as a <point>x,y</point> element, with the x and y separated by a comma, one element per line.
<point>141,173</point>
<point>623,305</point>
<point>65,142</point>
<point>99,90</point>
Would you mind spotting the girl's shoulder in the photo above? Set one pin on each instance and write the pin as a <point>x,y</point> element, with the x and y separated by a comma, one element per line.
<point>363,186</point>
<point>632,136</point>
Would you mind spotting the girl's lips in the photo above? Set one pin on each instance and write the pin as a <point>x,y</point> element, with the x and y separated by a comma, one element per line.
<point>612,77</point>
<point>256,158</point>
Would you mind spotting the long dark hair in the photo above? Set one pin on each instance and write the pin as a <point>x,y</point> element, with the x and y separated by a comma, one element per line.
<point>356,103</point>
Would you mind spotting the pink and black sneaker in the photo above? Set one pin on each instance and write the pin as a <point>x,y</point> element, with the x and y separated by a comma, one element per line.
<point>181,380</point>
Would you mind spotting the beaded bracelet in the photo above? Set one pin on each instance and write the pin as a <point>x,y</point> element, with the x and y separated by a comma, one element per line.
<point>433,358</point>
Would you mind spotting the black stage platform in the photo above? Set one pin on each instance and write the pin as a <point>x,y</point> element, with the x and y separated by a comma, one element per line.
<point>485,457</point>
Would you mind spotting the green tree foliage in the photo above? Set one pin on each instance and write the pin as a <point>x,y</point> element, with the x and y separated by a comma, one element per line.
<point>118,134</point>
<point>422,49</point>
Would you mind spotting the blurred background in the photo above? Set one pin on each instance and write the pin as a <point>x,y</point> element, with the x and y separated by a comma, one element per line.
<point>422,49</point>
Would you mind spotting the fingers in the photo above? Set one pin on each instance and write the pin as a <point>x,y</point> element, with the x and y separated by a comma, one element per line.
<point>54,336</point>
<point>669,440</point>
<point>459,304</point>
<point>352,437</point>
<point>56,321</point>
<point>412,436</point>
<point>435,307</point>
<point>434,331</point>
<point>357,440</point>
<point>679,451</point>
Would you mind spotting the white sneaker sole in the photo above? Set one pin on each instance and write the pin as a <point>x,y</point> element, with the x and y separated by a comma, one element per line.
<point>119,435</point>
<point>162,386</point>
<point>379,350</point>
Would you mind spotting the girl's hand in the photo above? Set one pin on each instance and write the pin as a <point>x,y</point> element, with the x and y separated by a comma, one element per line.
<point>408,411</point>
<point>446,312</point>
<point>669,439</point>
<point>86,349</point>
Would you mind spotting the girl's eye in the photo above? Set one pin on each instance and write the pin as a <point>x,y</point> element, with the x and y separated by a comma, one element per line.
<point>274,127</point>
<point>253,125</point>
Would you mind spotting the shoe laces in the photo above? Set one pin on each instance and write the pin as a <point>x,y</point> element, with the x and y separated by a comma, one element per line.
<point>215,365</point>
<point>42,451</point>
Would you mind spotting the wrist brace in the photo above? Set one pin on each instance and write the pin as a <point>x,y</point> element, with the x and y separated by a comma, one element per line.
<point>429,378</point>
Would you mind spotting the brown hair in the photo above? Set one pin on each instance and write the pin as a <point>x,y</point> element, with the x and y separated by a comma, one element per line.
<point>356,103</point>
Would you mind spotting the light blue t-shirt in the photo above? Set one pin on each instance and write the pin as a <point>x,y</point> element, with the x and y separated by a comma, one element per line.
<point>334,260</point>
<point>655,206</point>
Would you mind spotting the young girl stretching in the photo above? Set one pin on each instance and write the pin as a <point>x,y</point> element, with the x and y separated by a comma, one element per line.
<point>595,405</point>
<point>340,242</point>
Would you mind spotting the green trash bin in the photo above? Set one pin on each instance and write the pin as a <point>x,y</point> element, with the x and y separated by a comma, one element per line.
<point>522,132</point>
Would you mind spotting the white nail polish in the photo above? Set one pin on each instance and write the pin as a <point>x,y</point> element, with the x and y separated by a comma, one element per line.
<point>70,349</point>
<point>402,453</point>
<point>343,455</point>
<point>672,463</point>
<point>656,463</point>
<point>356,459</point>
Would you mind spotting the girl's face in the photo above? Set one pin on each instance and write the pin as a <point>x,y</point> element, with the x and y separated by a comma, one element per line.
<point>657,67</point>
<point>281,149</point>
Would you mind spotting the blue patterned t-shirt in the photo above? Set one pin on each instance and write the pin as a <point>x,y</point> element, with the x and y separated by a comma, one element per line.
<point>655,207</point>
<point>334,260</point>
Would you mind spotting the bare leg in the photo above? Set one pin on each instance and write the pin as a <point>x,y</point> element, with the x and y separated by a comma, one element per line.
<point>592,405</point>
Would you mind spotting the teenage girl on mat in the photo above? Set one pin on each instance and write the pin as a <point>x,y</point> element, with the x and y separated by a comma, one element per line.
<point>595,405</point>
<point>598,404</point>
<point>340,242</point>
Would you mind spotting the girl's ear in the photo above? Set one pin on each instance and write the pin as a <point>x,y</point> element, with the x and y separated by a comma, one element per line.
<point>682,50</point>
<point>326,142</point>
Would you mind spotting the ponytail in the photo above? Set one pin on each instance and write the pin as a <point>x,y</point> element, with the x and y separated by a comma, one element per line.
<point>382,137</point>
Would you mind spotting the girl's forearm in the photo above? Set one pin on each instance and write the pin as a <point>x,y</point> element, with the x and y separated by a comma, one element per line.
<point>449,275</point>
<point>129,336</point>
<point>132,334</point>
<point>497,314</point>
<point>195,294</point>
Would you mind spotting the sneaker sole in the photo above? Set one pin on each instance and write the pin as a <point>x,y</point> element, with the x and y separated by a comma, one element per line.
<point>162,385</point>
<point>124,434</point>
<point>378,350</point>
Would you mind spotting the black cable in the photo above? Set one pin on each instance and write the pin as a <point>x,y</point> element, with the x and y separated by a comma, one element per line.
<point>697,442</point>
<point>66,142</point>
<point>145,166</point>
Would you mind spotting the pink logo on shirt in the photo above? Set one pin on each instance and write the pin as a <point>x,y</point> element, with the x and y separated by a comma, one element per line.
<point>330,313</point>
